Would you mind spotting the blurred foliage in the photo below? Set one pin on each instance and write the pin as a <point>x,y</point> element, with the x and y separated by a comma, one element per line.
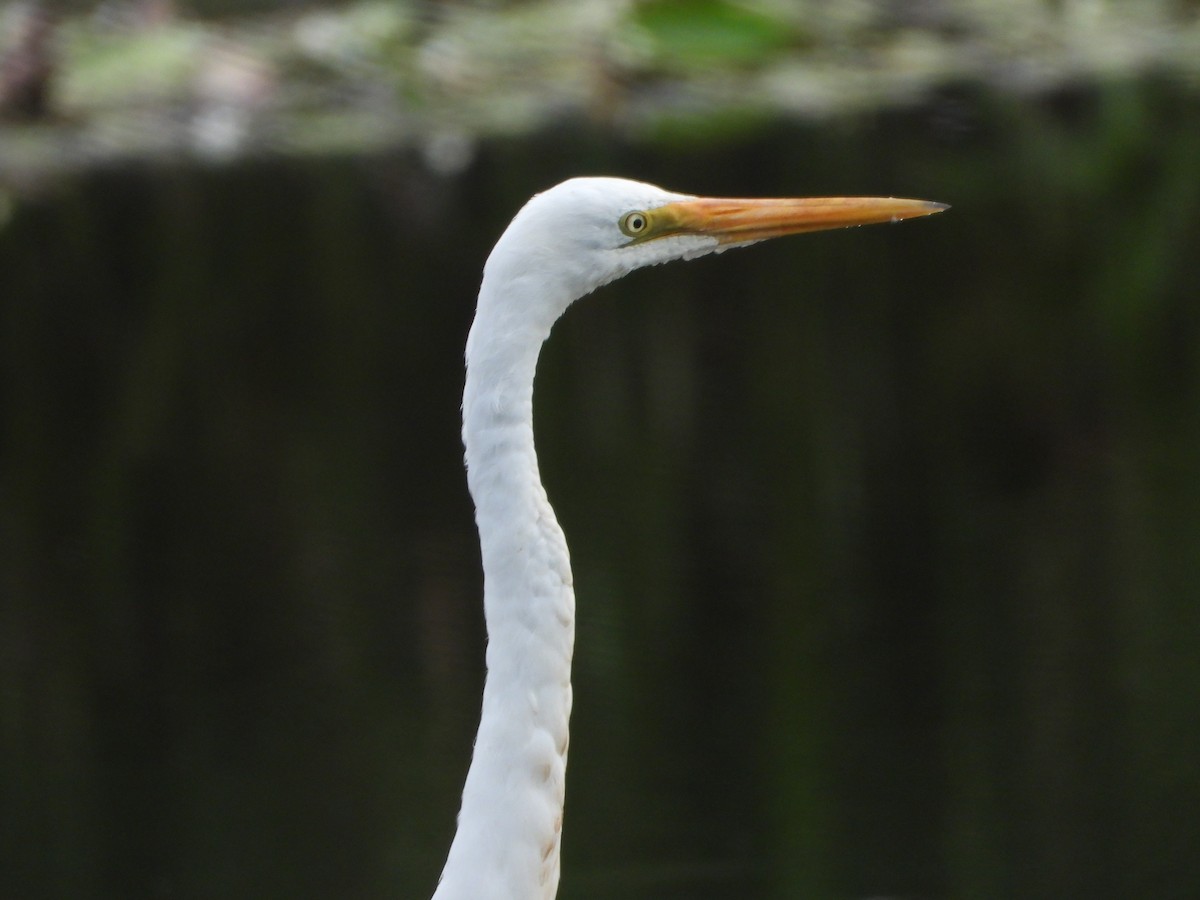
<point>707,34</point>
<point>144,78</point>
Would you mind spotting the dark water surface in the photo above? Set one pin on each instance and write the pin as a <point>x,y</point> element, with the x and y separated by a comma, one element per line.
<point>887,541</point>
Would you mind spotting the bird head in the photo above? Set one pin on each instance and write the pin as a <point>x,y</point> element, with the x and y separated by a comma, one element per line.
<point>585,232</point>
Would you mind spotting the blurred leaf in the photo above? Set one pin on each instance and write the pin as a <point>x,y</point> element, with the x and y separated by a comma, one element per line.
<point>709,32</point>
<point>112,68</point>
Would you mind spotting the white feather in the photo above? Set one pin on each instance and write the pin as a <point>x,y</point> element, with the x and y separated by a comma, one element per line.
<point>562,245</point>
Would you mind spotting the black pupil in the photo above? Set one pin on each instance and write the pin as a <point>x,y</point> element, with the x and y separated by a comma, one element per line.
<point>636,223</point>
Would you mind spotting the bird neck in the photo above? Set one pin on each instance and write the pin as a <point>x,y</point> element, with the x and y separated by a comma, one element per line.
<point>507,843</point>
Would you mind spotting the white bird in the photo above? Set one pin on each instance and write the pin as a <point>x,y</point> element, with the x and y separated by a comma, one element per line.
<point>563,244</point>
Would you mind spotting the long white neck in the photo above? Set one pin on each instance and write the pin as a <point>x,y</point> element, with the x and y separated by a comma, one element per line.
<point>510,823</point>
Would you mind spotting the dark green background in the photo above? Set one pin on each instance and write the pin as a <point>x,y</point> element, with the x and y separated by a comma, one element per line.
<point>887,541</point>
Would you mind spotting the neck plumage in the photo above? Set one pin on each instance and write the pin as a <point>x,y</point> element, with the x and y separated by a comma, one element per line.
<point>507,843</point>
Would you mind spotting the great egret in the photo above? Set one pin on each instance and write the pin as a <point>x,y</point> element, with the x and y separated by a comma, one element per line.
<point>563,244</point>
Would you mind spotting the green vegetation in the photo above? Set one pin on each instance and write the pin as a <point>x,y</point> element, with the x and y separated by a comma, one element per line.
<point>358,77</point>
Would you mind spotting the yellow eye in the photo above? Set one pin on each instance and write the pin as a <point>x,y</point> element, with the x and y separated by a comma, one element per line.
<point>634,224</point>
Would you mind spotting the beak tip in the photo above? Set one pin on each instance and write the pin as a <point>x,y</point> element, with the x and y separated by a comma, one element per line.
<point>916,208</point>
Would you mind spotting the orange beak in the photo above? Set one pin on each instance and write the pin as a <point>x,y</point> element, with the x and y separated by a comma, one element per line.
<point>736,221</point>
